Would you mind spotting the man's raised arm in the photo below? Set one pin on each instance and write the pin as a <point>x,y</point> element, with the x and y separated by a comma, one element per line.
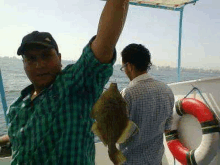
<point>110,27</point>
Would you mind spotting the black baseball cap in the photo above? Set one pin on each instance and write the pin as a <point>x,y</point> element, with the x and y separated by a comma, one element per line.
<point>38,38</point>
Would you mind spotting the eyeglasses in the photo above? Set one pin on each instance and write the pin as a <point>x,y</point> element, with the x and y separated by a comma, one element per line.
<point>123,67</point>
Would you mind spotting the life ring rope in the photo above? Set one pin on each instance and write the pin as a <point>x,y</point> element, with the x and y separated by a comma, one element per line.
<point>190,156</point>
<point>210,127</point>
<point>172,135</point>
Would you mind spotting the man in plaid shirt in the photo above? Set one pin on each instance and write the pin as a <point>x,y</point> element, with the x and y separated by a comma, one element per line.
<point>150,105</point>
<point>50,122</point>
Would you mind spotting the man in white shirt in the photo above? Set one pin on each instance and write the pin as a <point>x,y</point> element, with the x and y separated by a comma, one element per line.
<point>150,104</point>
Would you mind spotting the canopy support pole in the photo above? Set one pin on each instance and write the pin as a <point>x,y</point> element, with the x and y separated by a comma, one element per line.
<point>179,48</point>
<point>4,104</point>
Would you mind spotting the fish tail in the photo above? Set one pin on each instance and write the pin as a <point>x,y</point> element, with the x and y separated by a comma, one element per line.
<point>116,156</point>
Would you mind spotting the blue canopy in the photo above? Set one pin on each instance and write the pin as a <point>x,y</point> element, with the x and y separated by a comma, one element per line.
<point>175,5</point>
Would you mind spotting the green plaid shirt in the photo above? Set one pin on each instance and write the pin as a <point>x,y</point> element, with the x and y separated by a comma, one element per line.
<point>55,128</point>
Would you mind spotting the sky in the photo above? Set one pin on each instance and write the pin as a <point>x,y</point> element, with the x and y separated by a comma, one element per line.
<point>73,22</point>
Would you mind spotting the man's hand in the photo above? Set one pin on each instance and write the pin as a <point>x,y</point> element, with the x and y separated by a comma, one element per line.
<point>110,27</point>
<point>4,140</point>
<point>5,146</point>
<point>5,151</point>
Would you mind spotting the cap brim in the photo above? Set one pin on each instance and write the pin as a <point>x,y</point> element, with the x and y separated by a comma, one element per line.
<point>23,47</point>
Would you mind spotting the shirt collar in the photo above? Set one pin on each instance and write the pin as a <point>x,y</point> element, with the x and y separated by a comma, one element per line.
<point>144,76</point>
<point>27,90</point>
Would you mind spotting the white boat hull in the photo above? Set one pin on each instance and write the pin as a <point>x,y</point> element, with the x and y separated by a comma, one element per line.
<point>189,125</point>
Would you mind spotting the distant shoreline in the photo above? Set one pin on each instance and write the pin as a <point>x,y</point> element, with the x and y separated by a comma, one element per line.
<point>154,67</point>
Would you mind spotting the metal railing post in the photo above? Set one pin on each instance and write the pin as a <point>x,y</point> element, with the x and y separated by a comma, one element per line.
<point>4,104</point>
<point>179,48</point>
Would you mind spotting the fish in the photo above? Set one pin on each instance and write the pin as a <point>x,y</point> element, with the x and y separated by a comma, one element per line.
<point>112,124</point>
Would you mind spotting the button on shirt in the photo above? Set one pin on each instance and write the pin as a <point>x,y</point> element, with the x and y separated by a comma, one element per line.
<point>55,128</point>
<point>150,105</point>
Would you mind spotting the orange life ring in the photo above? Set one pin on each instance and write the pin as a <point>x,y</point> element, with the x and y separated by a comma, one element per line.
<point>210,130</point>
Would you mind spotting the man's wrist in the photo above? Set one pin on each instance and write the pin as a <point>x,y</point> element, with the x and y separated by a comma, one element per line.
<point>4,140</point>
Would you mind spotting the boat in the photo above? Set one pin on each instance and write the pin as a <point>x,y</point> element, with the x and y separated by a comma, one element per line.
<point>206,90</point>
<point>209,88</point>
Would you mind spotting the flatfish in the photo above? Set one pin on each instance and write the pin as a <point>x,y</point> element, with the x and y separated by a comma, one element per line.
<point>112,124</point>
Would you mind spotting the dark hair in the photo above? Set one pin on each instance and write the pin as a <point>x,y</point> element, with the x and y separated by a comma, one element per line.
<point>137,55</point>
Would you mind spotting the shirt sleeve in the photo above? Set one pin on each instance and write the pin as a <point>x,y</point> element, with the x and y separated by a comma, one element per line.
<point>88,73</point>
<point>168,123</point>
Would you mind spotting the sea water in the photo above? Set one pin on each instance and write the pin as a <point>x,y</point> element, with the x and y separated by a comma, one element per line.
<point>15,79</point>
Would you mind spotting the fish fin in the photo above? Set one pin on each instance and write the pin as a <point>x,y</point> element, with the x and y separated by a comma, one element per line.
<point>129,131</point>
<point>93,114</point>
<point>117,157</point>
<point>94,111</point>
<point>96,131</point>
